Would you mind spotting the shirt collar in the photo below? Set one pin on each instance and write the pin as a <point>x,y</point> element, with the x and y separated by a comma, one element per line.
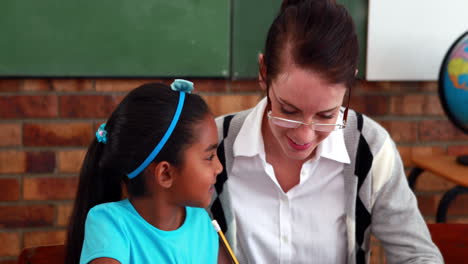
<point>249,141</point>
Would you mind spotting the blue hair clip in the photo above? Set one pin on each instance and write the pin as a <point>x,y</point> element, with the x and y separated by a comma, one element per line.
<point>181,85</point>
<point>101,134</point>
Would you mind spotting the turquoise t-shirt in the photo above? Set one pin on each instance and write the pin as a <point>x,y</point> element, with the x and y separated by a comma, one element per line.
<point>116,230</point>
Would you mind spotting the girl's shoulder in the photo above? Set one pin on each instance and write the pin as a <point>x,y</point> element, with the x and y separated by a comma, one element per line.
<point>110,208</point>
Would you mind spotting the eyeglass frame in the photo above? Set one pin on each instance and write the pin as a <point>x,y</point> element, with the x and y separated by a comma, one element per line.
<point>313,124</point>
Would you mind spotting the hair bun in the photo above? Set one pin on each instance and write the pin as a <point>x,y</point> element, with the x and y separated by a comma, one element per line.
<point>287,3</point>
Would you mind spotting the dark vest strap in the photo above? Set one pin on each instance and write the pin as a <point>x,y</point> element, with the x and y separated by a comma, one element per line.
<point>364,160</point>
<point>217,208</point>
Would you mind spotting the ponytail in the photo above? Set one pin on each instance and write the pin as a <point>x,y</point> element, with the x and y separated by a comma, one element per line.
<point>96,186</point>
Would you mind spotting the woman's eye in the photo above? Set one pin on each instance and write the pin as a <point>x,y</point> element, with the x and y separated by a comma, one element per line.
<point>327,116</point>
<point>286,112</point>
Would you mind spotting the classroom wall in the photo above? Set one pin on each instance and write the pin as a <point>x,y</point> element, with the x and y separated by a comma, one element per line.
<point>46,124</point>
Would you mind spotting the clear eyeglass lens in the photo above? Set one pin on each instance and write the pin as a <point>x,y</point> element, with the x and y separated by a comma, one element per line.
<point>291,124</point>
<point>284,123</point>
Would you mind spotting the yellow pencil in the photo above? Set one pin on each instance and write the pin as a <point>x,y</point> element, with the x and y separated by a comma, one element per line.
<point>223,238</point>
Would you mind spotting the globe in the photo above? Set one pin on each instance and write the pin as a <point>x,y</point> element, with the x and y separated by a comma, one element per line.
<point>453,86</point>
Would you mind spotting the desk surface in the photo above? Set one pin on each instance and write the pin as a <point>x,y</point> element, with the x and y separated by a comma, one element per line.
<point>445,166</point>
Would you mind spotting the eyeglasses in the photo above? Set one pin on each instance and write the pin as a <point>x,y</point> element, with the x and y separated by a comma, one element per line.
<point>288,123</point>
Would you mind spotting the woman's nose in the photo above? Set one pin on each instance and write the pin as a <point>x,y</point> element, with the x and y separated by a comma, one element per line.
<point>304,133</point>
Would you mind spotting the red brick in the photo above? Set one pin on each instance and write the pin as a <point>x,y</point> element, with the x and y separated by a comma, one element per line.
<point>428,204</point>
<point>72,85</point>
<point>10,135</point>
<point>10,85</point>
<point>9,189</point>
<point>223,104</point>
<point>70,161</point>
<point>57,134</point>
<point>439,130</point>
<point>371,105</point>
<point>429,86</point>
<point>124,85</point>
<point>40,162</point>
<point>37,85</point>
<point>63,214</point>
<point>401,131</point>
<point>416,104</point>
<point>26,216</point>
<point>88,106</point>
<point>246,86</point>
<point>457,150</point>
<point>432,106</point>
<point>41,238</point>
<point>405,87</point>
<point>10,244</point>
<point>12,162</point>
<point>49,188</point>
<point>407,104</point>
<point>28,106</point>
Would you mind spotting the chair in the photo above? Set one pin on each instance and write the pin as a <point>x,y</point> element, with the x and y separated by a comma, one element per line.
<point>446,167</point>
<point>452,241</point>
<point>53,254</point>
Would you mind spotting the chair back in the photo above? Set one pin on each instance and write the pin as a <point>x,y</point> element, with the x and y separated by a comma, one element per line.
<point>452,241</point>
<point>52,254</point>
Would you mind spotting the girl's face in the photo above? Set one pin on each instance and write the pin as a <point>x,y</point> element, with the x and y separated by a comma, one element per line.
<point>195,179</point>
<point>301,95</point>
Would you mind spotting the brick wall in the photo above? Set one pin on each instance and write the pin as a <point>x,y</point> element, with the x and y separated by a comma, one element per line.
<point>46,124</point>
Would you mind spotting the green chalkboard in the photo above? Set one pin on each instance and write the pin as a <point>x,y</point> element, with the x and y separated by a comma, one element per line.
<point>251,20</point>
<point>359,10</point>
<point>115,38</point>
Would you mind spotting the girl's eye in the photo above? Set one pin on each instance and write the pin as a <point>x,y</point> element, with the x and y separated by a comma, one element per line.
<point>211,157</point>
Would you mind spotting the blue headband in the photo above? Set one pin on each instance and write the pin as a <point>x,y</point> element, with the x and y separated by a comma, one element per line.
<point>182,86</point>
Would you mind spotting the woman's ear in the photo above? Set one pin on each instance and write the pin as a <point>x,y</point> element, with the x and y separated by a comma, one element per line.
<point>164,174</point>
<point>261,72</point>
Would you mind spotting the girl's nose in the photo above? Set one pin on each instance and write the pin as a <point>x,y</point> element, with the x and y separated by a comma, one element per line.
<point>218,166</point>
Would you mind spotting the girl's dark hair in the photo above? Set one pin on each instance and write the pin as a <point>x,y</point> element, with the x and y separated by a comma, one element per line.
<point>318,35</point>
<point>133,130</point>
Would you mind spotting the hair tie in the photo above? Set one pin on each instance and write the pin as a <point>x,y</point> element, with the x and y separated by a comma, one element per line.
<point>101,134</point>
<point>182,86</point>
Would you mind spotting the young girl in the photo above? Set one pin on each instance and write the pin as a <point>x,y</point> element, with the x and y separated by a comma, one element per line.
<point>161,143</point>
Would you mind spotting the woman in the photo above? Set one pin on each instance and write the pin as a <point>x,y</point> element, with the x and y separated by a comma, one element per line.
<point>305,180</point>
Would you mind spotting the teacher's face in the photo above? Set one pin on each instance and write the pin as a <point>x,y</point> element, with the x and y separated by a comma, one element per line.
<point>301,95</point>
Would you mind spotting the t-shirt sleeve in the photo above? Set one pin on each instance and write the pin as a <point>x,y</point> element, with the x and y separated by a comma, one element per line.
<point>105,236</point>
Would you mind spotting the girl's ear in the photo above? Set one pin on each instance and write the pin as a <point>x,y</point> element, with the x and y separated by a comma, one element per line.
<point>164,174</point>
<point>261,72</point>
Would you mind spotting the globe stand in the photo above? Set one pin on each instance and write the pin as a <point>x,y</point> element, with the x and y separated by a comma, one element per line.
<point>463,160</point>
